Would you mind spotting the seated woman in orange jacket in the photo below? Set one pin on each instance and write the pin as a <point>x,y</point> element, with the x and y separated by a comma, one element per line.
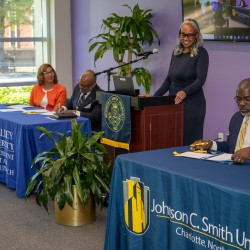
<point>48,93</point>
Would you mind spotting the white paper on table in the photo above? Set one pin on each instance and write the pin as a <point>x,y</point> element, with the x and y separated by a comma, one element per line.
<point>51,118</point>
<point>221,157</point>
<point>39,111</point>
<point>195,155</point>
<point>46,112</point>
<point>10,110</point>
<point>18,106</point>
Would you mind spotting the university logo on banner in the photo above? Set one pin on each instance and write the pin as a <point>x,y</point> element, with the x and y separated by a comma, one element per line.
<point>136,205</point>
<point>116,120</point>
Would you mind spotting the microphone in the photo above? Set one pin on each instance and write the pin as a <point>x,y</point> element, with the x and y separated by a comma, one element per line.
<point>147,53</point>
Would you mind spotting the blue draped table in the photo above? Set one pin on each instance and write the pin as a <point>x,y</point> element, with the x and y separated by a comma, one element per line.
<point>161,201</point>
<point>241,14</point>
<point>20,143</point>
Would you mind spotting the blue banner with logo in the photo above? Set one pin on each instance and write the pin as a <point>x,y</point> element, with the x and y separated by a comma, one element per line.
<point>161,201</point>
<point>116,120</point>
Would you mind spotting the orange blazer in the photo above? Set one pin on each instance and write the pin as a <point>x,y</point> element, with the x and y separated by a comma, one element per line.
<point>56,96</point>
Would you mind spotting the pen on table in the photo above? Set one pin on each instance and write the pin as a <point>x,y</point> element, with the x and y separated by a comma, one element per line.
<point>199,144</point>
<point>203,143</point>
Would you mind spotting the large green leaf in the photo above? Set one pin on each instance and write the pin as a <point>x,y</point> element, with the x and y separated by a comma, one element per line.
<point>143,77</point>
<point>31,185</point>
<point>68,189</point>
<point>43,199</point>
<point>77,181</point>
<point>103,183</point>
<point>60,199</point>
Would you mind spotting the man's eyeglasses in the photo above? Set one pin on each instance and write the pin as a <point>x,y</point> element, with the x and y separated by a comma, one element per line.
<point>189,35</point>
<point>245,99</point>
<point>49,72</point>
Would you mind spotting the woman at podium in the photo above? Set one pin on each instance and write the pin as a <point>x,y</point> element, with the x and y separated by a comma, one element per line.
<point>186,75</point>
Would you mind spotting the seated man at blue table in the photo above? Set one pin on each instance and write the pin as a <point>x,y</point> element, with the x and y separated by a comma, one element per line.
<point>238,142</point>
<point>83,100</point>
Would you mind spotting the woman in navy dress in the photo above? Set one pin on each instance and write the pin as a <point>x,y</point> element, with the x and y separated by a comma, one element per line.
<point>186,75</point>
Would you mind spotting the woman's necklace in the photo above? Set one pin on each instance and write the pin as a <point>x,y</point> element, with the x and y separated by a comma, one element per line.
<point>48,86</point>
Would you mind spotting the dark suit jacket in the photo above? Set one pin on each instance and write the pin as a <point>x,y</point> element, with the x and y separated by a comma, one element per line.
<point>234,129</point>
<point>90,107</point>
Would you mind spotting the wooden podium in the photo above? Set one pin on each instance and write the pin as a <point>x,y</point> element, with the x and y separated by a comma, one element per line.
<point>156,123</point>
<point>155,127</point>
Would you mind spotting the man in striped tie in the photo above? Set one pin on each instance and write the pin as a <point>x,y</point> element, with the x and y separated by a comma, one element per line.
<point>238,141</point>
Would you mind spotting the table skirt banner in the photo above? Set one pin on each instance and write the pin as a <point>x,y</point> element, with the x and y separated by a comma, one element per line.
<point>150,208</point>
<point>20,143</point>
<point>116,120</point>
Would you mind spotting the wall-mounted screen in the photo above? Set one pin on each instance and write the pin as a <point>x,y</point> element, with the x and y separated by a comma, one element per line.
<point>220,20</point>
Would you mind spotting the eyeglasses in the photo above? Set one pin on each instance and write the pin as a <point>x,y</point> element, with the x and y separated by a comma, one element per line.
<point>189,35</point>
<point>49,72</point>
<point>245,99</point>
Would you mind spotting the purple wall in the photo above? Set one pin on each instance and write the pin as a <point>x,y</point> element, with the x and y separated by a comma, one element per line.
<point>229,62</point>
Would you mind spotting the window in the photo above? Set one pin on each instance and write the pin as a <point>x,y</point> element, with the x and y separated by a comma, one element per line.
<point>24,40</point>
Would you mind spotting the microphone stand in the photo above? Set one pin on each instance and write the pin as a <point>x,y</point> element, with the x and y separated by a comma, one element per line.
<point>109,73</point>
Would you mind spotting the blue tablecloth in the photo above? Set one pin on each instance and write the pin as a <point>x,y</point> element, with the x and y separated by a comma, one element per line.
<point>160,201</point>
<point>20,143</point>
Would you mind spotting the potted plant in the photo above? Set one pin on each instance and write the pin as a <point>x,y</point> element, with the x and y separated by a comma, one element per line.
<point>127,34</point>
<point>73,169</point>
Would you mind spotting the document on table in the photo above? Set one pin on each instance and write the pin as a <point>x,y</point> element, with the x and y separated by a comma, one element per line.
<point>18,106</point>
<point>219,157</point>
<point>14,108</point>
<point>10,110</point>
<point>35,111</point>
<point>47,113</point>
<point>195,155</point>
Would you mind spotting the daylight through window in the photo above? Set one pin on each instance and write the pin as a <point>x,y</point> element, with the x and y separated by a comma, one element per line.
<point>23,40</point>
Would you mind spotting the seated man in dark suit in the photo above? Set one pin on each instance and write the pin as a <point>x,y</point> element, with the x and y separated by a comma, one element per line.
<point>238,142</point>
<point>83,100</point>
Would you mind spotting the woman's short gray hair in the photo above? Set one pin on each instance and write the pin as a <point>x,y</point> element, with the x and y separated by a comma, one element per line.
<point>198,43</point>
